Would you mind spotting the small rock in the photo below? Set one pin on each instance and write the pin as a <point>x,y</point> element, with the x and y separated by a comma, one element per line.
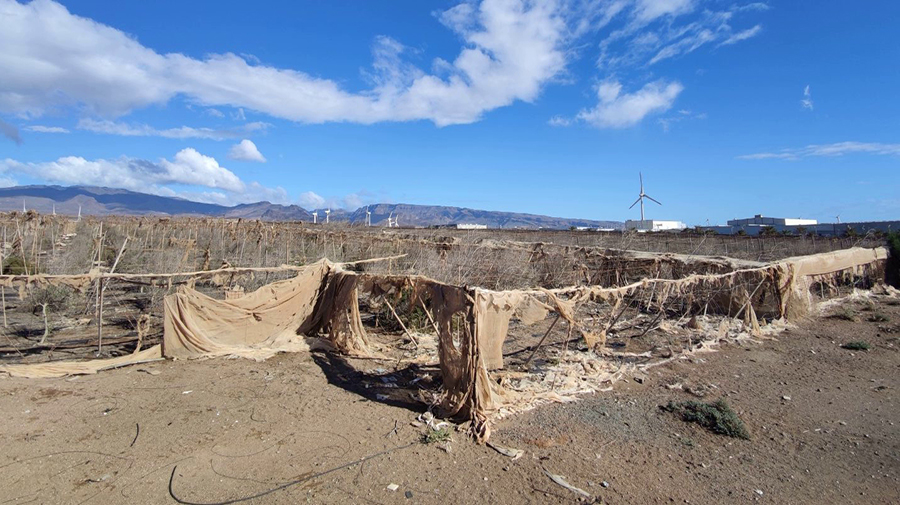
<point>759,492</point>
<point>786,398</point>
<point>393,487</point>
<point>408,495</point>
<point>604,484</point>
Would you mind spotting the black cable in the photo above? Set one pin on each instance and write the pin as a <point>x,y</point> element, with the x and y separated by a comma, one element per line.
<point>285,485</point>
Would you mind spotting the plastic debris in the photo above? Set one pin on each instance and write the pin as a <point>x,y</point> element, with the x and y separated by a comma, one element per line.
<point>559,479</point>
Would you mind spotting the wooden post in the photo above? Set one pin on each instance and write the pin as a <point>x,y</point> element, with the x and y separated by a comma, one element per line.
<point>410,335</point>
<point>99,301</point>
<point>3,289</point>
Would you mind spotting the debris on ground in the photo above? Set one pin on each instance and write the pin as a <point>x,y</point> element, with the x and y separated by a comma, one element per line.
<point>559,479</point>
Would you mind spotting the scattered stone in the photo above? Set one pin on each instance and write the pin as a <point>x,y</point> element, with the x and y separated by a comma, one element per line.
<point>786,398</point>
<point>408,495</point>
<point>759,492</point>
<point>604,484</point>
<point>393,487</point>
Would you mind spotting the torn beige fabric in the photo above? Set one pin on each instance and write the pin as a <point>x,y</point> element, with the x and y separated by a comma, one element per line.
<point>64,368</point>
<point>284,316</point>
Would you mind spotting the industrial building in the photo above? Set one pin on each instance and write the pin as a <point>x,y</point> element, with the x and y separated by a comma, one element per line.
<point>758,224</point>
<point>646,225</point>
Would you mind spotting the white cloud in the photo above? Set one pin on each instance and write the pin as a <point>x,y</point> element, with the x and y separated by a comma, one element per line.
<point>46,129</point>
<point>744,35</point>
<point>656,30</point>
<point>187,168</point>
<point>755,6</point>
<point>836,149</point>
<point>648,10</point>
<point>215,112</point>
<point>559,121</point>
<point>183,132</point>
<point>621,110</point>
<point>310,200</point>
<point>806,102</point>
<point>246,150</point>
<point>53,59</point>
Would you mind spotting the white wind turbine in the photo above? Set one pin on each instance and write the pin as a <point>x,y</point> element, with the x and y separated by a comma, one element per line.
<point>838,217</point>
<point>79,212</point>
<point>315,217</point>
<point>641,197</point>
<point>327,212</point>
<point>368,217</point>
<point>392,221</point>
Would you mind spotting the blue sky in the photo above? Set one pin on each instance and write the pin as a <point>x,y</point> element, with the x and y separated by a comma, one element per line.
<point>729,108</point>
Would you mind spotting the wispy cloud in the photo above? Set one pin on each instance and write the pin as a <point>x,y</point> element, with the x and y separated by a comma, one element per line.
<point>184,132</point>
<point>559,121</point>
<point>46,129</point>
<point>657,30</point>
<point>246,150</point>
<point>836,149</point>
<point>681,115</point>
<point>744,35</point>
<point>621,110</point>
<point>807,102</point>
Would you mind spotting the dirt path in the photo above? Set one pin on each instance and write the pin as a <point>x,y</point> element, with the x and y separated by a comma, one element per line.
<point>236,428</point>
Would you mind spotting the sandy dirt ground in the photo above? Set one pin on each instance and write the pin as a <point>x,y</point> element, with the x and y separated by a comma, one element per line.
<point>824,427</point>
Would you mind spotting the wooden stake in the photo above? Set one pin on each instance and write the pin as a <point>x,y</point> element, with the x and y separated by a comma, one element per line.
<point>411,337</point>
<point>3,289</point>
<point>427,313</point>
<point>99,301</point>
<point>527,361</point>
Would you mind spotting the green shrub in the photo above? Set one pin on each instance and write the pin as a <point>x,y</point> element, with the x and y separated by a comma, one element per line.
<point>15,265</point>
<point>436,436</point>
<point>857,346</point>
<point>717,417</point>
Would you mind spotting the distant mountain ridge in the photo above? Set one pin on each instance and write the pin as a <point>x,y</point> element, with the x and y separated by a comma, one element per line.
<point>110,201</point>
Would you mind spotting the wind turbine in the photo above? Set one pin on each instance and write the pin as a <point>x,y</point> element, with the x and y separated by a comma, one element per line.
<point>838,217</point>
<point>392,221</point>
<point>641,197</point>
<point>315,217</point>
<point>368,217</point>
<point>79,212</point>
<point>327,211</point>
<point>54,209</point>
<point>23,206</point>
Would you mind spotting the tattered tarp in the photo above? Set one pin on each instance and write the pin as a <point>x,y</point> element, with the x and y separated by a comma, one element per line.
<point>64,368</point>
<point>472,323</point>
<point>284,316</point>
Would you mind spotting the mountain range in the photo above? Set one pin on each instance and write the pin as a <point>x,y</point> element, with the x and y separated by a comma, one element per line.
<point>101,201</point>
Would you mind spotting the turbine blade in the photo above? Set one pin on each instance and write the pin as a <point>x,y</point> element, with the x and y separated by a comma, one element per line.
<point>642,181</point>
<point>651,198</point>
<point>635,202</point>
